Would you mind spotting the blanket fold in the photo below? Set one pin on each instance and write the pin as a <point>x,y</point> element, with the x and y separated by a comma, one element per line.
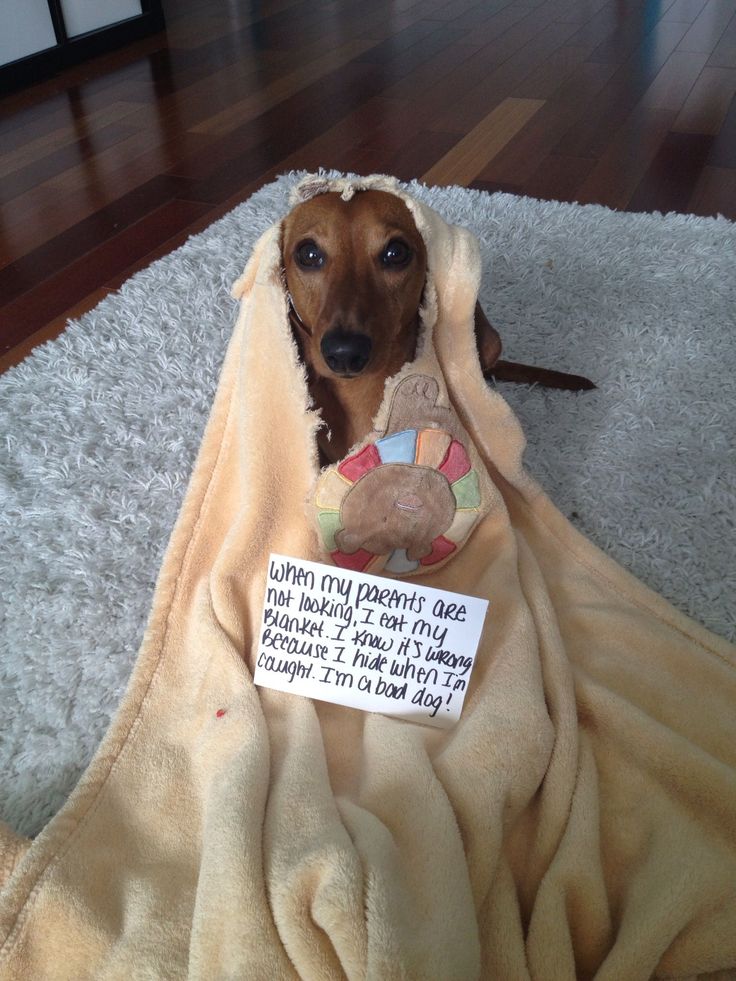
<point>579,821</point>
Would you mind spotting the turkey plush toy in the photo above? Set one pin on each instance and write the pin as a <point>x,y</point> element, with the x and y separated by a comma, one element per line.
<point>409,497</point>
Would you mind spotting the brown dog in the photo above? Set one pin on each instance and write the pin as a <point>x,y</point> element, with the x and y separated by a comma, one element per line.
<point>355,273</point>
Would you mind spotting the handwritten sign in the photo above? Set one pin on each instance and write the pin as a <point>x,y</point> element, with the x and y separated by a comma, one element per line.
<point>370,643</point>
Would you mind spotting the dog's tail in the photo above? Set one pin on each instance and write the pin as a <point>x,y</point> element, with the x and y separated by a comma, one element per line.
<point>528,375</point>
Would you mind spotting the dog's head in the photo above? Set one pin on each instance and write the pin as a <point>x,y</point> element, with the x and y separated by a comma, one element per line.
<point>355,271</point>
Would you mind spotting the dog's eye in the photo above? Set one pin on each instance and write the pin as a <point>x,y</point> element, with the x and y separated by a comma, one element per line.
<point>310,255</point>
<point>396,253</point>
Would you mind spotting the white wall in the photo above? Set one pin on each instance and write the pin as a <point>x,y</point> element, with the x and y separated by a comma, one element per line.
<point>81,16</point>
<point>25,27</point>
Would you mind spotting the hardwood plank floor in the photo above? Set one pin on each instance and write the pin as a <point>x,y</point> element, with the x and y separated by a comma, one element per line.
<point>485,140</point>
<point>117,161</point>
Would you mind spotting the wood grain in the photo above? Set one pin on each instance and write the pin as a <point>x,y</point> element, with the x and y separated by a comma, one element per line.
<point>51,330</point>
<point>618,172</point>
<point>115,162</point>
<point>708,27</point>
<point>473,152</point>
<point>706,106</point>
<point>715,193</point>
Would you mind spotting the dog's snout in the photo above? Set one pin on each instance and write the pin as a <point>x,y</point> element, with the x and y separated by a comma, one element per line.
<point>346,353</point>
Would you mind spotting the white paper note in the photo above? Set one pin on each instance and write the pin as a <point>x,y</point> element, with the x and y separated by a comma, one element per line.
<point>367,642</point>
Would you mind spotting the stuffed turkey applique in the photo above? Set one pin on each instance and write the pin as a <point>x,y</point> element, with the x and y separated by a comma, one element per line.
<point>409,498</point>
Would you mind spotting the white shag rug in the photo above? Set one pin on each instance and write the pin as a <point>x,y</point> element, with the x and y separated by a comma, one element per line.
<point>100,429</point>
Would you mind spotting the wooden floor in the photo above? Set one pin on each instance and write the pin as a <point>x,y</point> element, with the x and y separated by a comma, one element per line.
<point>626,103</point>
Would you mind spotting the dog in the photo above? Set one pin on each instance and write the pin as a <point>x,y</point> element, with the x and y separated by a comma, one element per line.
<point>355,273</point>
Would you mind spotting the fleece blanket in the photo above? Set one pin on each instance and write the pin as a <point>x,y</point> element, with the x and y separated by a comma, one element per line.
<point>578,821</point>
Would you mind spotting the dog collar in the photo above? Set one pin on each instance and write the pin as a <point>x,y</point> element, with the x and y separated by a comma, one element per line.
<point>294,318</point>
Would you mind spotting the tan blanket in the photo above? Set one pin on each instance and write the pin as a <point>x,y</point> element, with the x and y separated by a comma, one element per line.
<point>579,821</point>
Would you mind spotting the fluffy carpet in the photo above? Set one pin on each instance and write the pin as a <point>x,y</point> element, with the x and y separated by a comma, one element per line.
<point>101,428</point>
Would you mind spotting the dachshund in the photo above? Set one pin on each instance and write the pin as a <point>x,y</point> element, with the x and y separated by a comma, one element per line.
<point>355,273</point>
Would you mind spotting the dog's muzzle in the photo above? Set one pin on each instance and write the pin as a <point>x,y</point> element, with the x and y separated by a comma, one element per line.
<point>346,353</point>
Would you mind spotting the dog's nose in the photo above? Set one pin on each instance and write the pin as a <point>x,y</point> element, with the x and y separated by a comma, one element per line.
<point>346,353</point>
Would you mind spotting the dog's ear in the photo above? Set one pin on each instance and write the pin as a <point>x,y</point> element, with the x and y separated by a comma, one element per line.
<point>487,340</point>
